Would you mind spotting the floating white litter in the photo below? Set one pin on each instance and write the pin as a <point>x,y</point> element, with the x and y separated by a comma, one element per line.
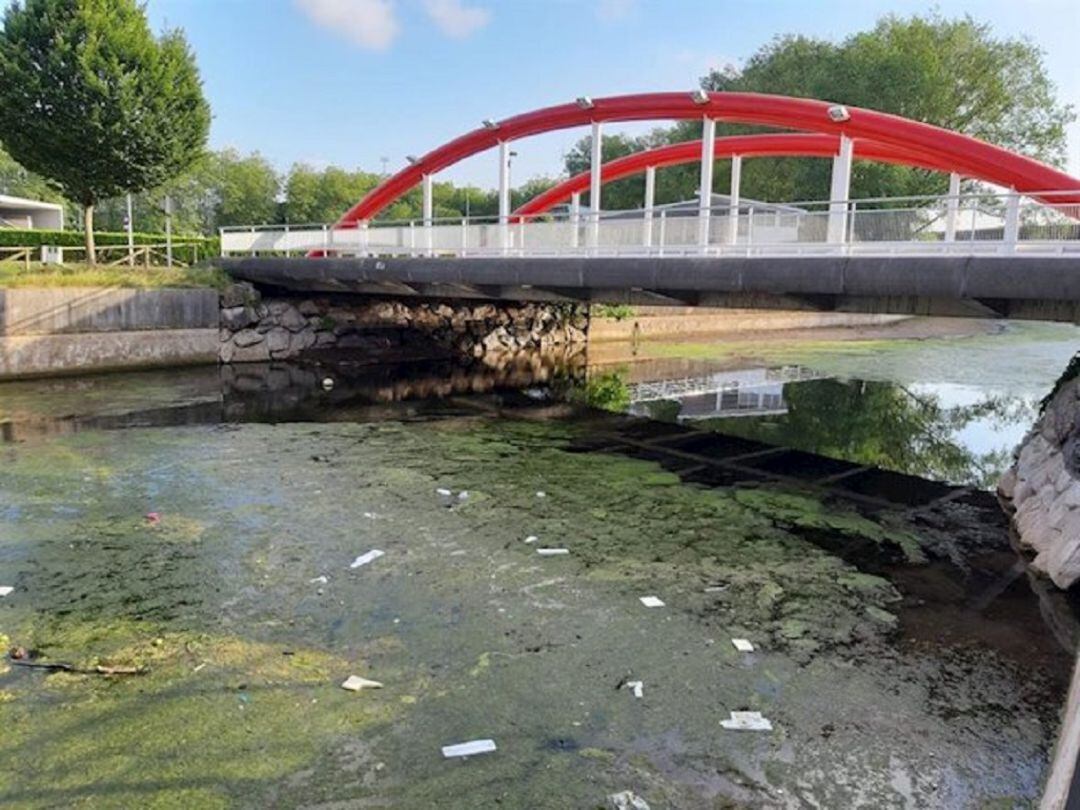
<point>652,601</point>
<point>5,590</point>
<point>552,552</point>
<point>354,683</point>
<point>532,538</point>
<point>747,721</point>
<point>320,580</point>
<point>541,494</point>
<point>444,492</point>
<point>463,495</point>
<point>716,588</point>
<point>467,749</point>
<point>327,383</point>
<point>626,800</point>
<point>364,559</point>
<point>742,645</point>
<point>637,687</point>
<point>369,515</point>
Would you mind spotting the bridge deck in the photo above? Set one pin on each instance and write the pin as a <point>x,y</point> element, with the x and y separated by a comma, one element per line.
<point>1033,287</point>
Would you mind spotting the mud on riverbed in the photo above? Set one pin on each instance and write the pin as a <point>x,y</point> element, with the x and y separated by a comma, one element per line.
<point>475,635</point>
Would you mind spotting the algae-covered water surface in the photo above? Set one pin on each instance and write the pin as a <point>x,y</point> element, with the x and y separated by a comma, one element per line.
<point>901,655</point>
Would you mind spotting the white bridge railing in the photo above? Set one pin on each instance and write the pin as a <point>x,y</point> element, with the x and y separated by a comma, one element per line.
<point>965,224</point>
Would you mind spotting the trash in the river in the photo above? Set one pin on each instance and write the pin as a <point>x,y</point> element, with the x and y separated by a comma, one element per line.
<point>467,749</point>
<point>747,721</point>
<point>354,683</point>
<point>541,494</point>
<point>627,800</point>
<point>200,666</point>
<point>742,645</point>
<point>5,590</point>
<point>444,492</point>
<point>327,383</point>
<point>651,601</point>
<point>60,666</point>
<point>370,515</point>
<point>637,687</point>
<point>153,518</point>
<point>364,559</point>
<point>552,552</point>
<point>716,588</point>
<point>321,580</point>
<point>532,538</point>
<point>18,653</point>
<point>463,495</point>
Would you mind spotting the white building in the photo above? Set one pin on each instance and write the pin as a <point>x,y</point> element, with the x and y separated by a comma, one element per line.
<point>16,212</point>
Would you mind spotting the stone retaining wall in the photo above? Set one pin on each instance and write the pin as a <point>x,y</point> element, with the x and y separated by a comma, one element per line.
<point>1042,489</point>
<point>257,328</point>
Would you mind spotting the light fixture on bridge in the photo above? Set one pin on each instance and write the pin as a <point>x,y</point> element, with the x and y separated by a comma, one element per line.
<point>489,124</point>
<point>585,102</point>
<point>839,113</point>
<point>700,97</point>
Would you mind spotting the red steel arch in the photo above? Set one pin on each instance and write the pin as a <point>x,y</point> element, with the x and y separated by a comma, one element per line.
<point>762,145</point>
<point>957,152</point>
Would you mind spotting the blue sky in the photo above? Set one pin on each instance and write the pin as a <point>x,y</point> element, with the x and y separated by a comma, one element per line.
<point>350,82</point>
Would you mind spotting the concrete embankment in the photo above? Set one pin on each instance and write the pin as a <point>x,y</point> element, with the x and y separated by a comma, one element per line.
<point>675,322</point>
<point>65,330</point>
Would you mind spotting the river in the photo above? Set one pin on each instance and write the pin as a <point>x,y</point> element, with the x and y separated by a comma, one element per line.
<point>182,523</point>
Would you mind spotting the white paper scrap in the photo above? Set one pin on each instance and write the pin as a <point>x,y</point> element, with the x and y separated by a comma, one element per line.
<point>636,687</point>
<point>552,552</point>
<point>532,538</point>
<point>541,494</point>
<point>364,559</point>
<point>467,749</point>
<point>652,601</point>
<point>747,721</point>
<point>320,580</point>
<point>444,492</point>
<point>354,683</point>
<point>742,645</point>
<point>5,590</point>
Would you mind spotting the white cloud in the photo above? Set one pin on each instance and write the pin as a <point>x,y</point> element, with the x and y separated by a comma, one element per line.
<point>614,10</point>
<point>371,24</point>
<point>456,19</point>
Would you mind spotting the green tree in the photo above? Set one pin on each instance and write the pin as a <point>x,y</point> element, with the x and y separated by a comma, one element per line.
<point>94,102</point>
<point>954,73</point>
<point>243,189</point>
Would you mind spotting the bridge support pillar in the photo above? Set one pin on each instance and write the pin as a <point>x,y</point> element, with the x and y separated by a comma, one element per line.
<point>596,161</point>
<point>575,219</point>
<point>733,211</point>
<point>952,207</point>
<point>428,210</point>
<point>840,192</point>
<point>504,196</point>
<point>708,152</point>
<point>650,199</point>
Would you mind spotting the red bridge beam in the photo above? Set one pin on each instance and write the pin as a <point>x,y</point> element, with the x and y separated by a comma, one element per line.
<point>956,152</point>
<point>762,145</point>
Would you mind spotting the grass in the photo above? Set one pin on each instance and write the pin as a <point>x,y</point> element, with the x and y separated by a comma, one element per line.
<point>15,274</point>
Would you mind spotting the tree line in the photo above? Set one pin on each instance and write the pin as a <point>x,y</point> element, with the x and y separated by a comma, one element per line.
<point>951,72</point>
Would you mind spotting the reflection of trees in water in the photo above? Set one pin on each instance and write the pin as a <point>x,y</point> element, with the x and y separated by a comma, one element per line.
<point>885,425</point>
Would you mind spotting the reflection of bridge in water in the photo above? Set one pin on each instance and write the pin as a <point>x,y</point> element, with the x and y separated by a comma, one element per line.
<point>741,392</point>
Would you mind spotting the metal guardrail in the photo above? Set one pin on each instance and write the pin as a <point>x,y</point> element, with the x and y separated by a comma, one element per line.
<point>964,224</point>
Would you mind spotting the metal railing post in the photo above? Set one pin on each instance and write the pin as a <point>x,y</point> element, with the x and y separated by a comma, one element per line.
<point>750,226</point>
<point>325,240</point>
<point>221,242</point>
<point>412,238</point>
<point>288,252</point>
<point>849,238</point>
<point>1012,220</point>
<point>663,229</point>
<point>464,236</point>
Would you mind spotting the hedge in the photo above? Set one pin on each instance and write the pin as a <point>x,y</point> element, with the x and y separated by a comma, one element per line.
<point>183,246</point>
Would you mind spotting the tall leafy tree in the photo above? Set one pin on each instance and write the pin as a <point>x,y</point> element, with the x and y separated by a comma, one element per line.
<point>94,102</point>
<point>955,73</point>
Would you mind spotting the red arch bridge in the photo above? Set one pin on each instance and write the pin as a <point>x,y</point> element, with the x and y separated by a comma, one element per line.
<point>1010,246</point>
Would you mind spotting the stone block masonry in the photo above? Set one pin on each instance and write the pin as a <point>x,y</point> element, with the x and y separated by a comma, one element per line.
<point>1043,486</point>
<point>258,328</point>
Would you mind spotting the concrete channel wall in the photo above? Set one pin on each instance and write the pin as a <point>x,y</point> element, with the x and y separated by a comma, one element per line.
<point>65,329</point>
